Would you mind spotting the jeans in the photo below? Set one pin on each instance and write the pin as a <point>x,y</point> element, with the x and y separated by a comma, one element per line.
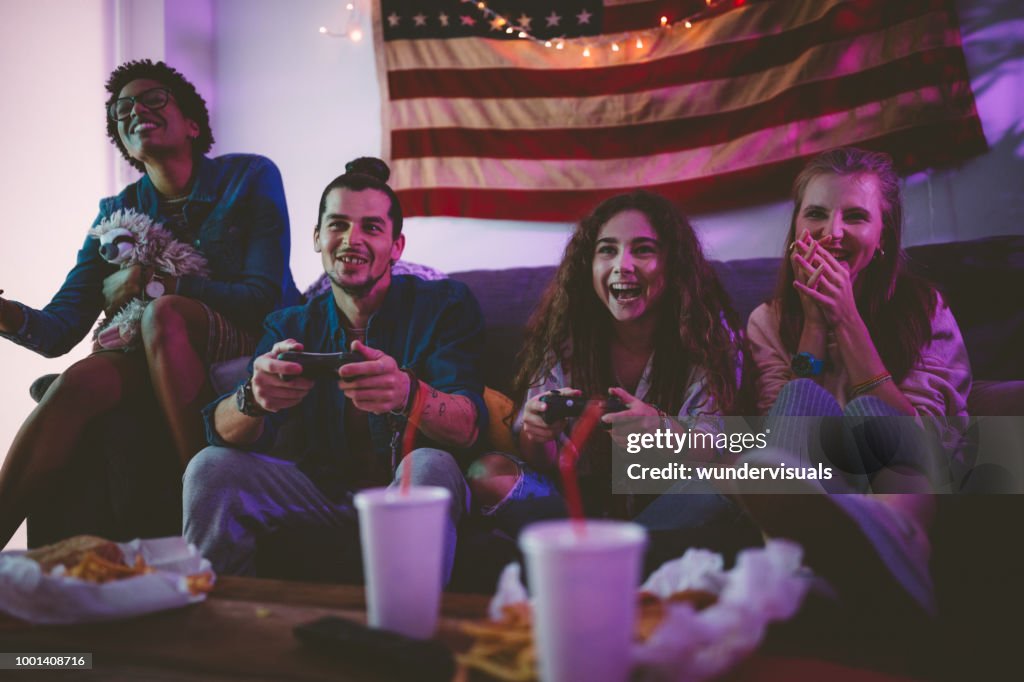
<point>860,441</point>
<point>690,514</point>
<point>233,499</point>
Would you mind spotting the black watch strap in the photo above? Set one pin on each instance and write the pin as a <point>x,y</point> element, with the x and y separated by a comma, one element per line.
<point>245,399</point>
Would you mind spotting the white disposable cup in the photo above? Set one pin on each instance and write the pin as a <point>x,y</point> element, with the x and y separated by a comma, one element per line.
<point>402,538</point>
<point>584,587</point>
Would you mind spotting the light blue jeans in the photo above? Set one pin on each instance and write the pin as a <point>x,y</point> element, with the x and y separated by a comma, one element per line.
<point>233,499</point>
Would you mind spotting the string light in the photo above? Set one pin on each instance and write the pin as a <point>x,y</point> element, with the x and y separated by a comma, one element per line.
<point>522,30</point>
<point>353,25</point>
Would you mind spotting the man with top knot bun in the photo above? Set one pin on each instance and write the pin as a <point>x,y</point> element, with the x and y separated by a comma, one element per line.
<point>289,450</point>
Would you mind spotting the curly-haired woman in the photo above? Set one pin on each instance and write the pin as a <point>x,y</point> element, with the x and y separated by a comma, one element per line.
<point>230,208</point>
<point>636,312</point>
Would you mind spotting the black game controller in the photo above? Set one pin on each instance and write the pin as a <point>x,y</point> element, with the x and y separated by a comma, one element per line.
<point>320,365</point>
<point>564,406</point>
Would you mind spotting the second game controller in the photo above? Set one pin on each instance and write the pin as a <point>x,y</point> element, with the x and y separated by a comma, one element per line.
<point>564,406</point>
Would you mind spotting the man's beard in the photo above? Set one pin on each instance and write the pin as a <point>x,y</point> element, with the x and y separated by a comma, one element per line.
<point>358,291</point>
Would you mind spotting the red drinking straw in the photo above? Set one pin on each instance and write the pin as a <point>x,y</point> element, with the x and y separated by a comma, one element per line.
<point>567,462</point>
<point>409,437</point>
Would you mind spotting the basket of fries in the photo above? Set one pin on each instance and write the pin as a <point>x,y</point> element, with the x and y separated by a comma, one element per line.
<point>694,619</point>
<point>87,579</point>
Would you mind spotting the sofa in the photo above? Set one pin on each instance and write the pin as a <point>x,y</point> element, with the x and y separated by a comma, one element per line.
<point>127,486</point>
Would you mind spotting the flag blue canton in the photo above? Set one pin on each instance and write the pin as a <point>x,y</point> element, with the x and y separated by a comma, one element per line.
<point>411,20</point>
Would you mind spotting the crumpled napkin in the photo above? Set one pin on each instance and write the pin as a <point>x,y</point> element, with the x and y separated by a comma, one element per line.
<point>53,599</point>
<point>766,585</point>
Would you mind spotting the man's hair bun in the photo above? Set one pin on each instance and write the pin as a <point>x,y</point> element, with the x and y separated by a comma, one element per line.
<point>369,165</point>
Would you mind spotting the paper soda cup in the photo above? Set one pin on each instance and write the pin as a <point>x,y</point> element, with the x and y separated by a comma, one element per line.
<point>402,537</point>
<point>584,587</point>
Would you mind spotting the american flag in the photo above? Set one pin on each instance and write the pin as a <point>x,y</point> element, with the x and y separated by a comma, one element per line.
<point>482,123</point>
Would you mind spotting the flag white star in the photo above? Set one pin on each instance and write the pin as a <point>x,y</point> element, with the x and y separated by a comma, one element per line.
<point>553,19</point>
<point>443,18</point>
<point>584,17</point>
<point>467,21</point>
<point>393,19</point>
<point>420,19</point>
<point>524,21</point>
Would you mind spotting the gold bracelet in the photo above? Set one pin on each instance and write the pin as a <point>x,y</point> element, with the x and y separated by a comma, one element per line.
<point>871,384</point>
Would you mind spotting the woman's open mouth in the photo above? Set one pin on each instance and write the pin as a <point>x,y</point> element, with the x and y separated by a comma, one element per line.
<point>624,293</point>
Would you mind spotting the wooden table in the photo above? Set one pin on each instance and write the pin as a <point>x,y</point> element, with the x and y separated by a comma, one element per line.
<point>243,631</point>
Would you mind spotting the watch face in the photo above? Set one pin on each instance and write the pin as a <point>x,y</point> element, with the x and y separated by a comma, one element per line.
<point>801,365</point>
<point>155,289</point>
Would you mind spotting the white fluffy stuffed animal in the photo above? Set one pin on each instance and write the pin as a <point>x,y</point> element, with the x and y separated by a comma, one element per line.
<point>128,238</point>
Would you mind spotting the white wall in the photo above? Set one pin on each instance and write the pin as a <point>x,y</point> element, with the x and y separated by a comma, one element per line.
<point>56,164</point>
<point>311,103</point>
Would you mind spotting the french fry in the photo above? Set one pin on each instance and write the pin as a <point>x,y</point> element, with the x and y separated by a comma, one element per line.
<point>504,649</point>
<point>95,568</point>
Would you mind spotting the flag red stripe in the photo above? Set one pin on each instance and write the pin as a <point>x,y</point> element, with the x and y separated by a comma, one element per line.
<point>716,61</point>
<point>806,101</point>
<point>641,15</point>
<point>913,150</point>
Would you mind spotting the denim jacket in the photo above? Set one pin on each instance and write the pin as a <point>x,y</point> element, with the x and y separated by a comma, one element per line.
<point>434,328</point>
<point>237,209</point>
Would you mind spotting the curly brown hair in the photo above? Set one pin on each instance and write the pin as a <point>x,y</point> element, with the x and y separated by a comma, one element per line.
<point>695,317</point>
<point>895,304</point>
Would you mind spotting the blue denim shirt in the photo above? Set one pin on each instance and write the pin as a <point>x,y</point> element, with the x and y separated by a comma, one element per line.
<point>434,328</point>
<point>237,209</point>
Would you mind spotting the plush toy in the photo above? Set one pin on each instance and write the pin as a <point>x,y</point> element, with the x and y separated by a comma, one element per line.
<point>129,238</point>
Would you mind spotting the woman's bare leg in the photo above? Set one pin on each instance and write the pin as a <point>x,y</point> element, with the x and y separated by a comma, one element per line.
<point>175,333</point>
<point>47,440</point>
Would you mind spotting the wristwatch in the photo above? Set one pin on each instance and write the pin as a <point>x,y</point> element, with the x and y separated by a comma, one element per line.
<point>806,365</point>
<point>156,287</point>
<point>245,400</point>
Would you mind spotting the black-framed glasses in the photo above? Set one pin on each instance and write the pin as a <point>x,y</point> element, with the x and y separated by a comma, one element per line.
<point>154,98</point>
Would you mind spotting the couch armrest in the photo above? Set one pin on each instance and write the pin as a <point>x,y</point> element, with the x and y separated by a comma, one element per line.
<point>996,399</point>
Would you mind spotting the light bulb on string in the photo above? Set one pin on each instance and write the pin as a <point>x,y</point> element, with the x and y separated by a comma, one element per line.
<point>586,52</point>
<point>639,44</point>
<point>355,35</point>
<point>615,47</point>
<point>664,21</point>
<point>688,24</point>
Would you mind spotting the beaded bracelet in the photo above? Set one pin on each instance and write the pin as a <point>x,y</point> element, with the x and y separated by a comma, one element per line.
<point>874,382</point>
